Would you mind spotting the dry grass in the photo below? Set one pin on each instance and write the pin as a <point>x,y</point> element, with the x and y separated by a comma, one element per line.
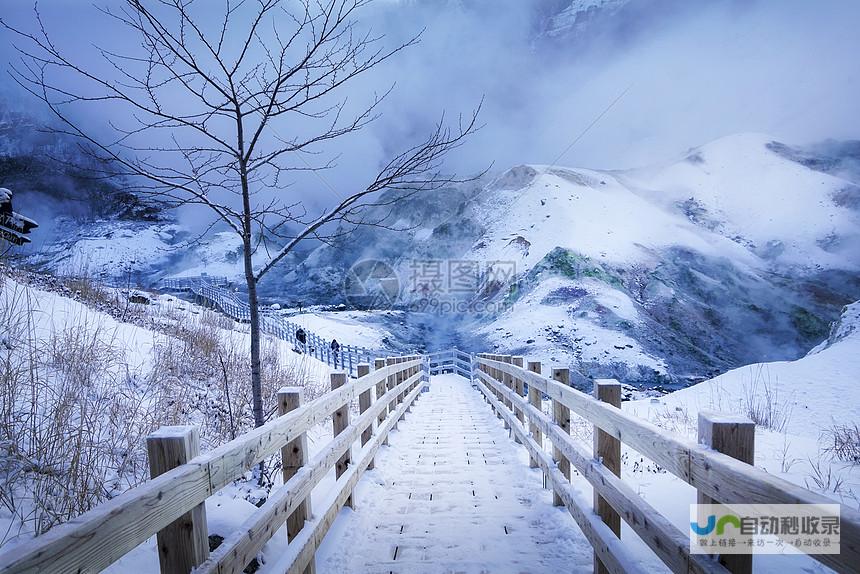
<point>762,402</point>
<point>843,442</point>
<point>821,477</point>
<point>66,405</point>
<point>74,414</point>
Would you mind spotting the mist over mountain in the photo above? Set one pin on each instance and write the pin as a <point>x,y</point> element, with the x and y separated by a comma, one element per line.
<point>741,249</point>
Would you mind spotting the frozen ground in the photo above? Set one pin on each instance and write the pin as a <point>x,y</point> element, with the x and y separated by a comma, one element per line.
<point>360,328</point>
<point>453,494</point>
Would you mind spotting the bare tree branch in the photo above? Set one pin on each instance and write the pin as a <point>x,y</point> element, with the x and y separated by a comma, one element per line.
<point>199,109</point>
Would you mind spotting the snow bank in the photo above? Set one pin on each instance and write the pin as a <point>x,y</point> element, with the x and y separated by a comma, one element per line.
<point>811,394</point>
<point>348,327</point>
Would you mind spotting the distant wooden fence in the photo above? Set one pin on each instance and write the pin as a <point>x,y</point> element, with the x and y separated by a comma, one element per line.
<point>718,476</point>
<point>213,292</point>
<point>171,504</point>
<point>451,361</point>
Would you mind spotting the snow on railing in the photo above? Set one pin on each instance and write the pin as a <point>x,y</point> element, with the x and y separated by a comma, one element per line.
<point>719,465</point>
<point>450,361</point>
<point>214,292</point>
<point>171,506</point>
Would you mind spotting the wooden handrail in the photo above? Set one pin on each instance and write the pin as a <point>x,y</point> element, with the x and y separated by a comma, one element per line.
<point>667,541</point>
<point>614,554</point>
<point>99,537</point>
<point>242,546</point>
<point>715,474</point>
<point>302,550</point>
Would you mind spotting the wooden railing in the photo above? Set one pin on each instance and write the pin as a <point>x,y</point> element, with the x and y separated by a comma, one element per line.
<point>171,504</point>
<point>212,292</point>
<point>717,475</point>
<point>450,361</point>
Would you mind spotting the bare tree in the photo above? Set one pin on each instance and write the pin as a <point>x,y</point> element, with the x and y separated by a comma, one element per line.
<point>203,101</point>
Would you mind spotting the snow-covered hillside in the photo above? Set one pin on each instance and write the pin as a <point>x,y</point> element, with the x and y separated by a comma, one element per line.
<point>806,413</point>
<point>733,198</point>
<point>694,249</point>
<point>742,188</point>
<point>739,251</point>
<point>87,374</point>
<point>805,397</point>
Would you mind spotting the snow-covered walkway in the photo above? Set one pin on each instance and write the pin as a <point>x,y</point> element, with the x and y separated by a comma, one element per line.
<point>453,494</point>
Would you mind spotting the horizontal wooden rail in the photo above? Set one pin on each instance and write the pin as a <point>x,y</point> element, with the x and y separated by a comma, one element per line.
<point>614,554</point>
<point>309,540</point>
<point>96,539</point>
<point>210,290</point>
<point>451,360</point>
<point>238,549</point>
<point>717,475</point>
<point>667,541</point>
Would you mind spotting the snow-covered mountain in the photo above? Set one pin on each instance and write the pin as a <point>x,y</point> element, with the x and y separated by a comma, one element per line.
<point>85,217</point>
<point>577,16</point>
<point>741,250</point>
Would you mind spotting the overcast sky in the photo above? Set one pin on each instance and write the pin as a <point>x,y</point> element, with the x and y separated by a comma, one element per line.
<point>689,72</point>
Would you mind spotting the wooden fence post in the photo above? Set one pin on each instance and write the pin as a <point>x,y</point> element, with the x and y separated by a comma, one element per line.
<point>364,402</point>
<point>494,373</point>
<point>535,401</point>
<point>481,368</point>
<point>499,376</point>
<point>294,455</point>
<point>507,380</point>
<point>401,376</point>
<point>561,416</point>
<point>380,390</point>
<point>491,371</point>
<point>340,420</point>
<point>607,449</point>
<point>391,384</point>
<point>184,543</point>
<point>409,372</point>
<point>733,435</point>
<point>518,389</point>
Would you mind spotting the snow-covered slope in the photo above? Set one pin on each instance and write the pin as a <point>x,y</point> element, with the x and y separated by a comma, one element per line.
<point>94,364</point>
<point>807,401</point>
<point>806,397</point>
<point>732,198</point>
<point>740,251</point>
<point>590,212</point>
<point>644,269</point>
<point>778,209</point>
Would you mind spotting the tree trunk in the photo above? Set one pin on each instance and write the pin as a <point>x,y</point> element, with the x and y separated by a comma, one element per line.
<point>256,369</point>
<point>250,280</point>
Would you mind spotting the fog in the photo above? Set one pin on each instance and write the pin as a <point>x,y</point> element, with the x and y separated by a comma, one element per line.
<point>638,83</point>
<point>695,71</point>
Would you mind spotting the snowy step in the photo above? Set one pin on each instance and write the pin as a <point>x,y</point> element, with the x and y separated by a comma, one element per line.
<point>453,494</point>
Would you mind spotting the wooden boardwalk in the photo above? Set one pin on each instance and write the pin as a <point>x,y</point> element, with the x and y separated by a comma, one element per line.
<point>453,494</point>
<point>454,491</point>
